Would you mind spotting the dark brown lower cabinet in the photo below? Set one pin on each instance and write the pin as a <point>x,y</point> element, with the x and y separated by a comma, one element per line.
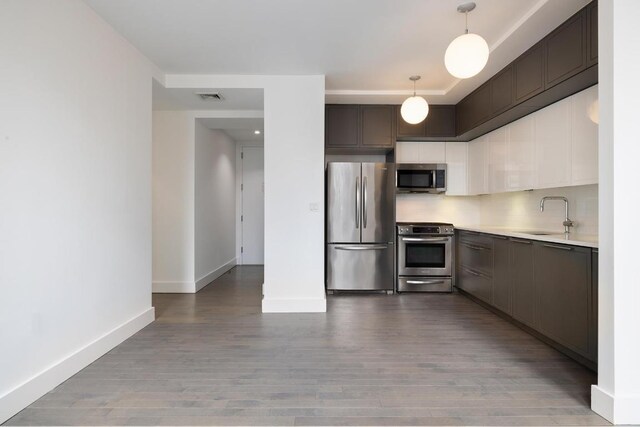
<point>501,275</point>
<point>522,281</point>
<point>563,294</point>
<point>550,288</point>
<point>593,336</point>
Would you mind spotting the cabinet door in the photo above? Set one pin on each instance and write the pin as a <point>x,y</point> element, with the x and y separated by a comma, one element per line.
<point>529,73</point>
<point>405,129</point>
<point>441,121</point>
<point>502,91</point>
<point>496,159</point>
<point>378,128</point>
<point>521,151</point>
<point>456,159</point>
<point>463,115</point>
<point>501,275</point>
<point>342,126</point>
<point>481,104</point>
<point>522,278</point>
<point>592,33</point>
<point>475,283</point>
<point>584,137</point>
<point>553,144</point>
<point>432,152</point>
<point>476,171</point>
<point>563,294</point>
<point>566,50</point>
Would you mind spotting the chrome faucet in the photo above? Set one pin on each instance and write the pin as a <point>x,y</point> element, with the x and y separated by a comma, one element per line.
<point>567,222</point>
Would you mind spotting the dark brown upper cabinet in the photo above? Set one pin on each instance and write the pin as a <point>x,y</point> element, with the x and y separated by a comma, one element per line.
<point>342,126</point>
<point>502,91</point>
<point>529,73</point>
<point>474,109</point>
<point>408,130</point>
<point>378,128</point>
<point>440,123</point>
<point>592,32</point>
<point>566,50</point>
<point>351,127</point>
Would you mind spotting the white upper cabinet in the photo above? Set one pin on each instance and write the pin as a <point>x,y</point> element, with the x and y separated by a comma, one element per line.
<point>521,155</point>
<point>456,159</point>
<point>496,160</point>
<point>584,137</point>
<point>553,145</point>
<point>476,167</point>
<point>420,152</point>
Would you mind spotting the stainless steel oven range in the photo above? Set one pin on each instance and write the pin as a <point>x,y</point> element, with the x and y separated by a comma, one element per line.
<point>425,257</point>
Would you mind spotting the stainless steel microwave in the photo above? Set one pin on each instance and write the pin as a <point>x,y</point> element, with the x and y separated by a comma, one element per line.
<point>421,178</point>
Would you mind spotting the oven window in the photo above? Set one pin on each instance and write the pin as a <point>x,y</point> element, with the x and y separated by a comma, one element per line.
<point>425,255</point>
<point>414,179</point>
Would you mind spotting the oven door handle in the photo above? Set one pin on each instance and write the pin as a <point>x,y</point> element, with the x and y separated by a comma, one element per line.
<point>426,239</point>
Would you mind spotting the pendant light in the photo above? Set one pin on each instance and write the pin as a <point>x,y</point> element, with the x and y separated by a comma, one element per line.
<point>467,54</point>
<point>415,108</point>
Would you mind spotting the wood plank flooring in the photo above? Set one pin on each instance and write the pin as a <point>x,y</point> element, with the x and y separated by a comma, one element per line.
<point>213,359</point>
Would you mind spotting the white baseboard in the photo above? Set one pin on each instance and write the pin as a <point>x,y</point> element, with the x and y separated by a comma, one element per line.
<point>173,287</point>
<point>293,305</point>
<point>210,277</point>
<point>619,410</point>
<point>31,390</point>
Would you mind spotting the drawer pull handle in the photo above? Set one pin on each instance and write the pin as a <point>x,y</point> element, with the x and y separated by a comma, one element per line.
<point>564,248</point>
<point>474,247</point>
<point>473,273</point>
<point>524,242</point>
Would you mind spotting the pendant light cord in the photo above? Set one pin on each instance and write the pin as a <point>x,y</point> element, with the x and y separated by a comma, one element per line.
<point>414,88</point>
<point>466,22</point>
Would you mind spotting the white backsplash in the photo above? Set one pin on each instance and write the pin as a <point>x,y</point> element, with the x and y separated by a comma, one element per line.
<point>522,209</point>
<point>437,208</point>
<point>515,210</point>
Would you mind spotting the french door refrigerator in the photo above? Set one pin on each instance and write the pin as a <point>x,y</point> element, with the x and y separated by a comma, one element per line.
<point>360,226</point>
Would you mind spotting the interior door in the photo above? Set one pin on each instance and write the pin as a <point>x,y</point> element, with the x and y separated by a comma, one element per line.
<point>378,219</point>
<point>344,200</point>
<point>252,205</point>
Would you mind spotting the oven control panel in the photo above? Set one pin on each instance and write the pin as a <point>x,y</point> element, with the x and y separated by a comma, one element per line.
<point>431,229</point>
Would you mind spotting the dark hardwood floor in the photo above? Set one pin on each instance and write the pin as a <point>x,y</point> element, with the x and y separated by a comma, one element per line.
<point>214,359</point>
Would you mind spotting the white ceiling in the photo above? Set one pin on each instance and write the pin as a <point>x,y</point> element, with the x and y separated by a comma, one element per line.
<point>239,129</point>
<point>187,99</point>
<point>360,45</point>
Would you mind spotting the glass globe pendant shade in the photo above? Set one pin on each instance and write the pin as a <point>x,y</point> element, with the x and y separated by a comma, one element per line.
<point>466,56</point>
<point>414,109</point>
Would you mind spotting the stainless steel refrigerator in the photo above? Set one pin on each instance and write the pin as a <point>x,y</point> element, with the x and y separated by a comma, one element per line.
<point>360,226</point>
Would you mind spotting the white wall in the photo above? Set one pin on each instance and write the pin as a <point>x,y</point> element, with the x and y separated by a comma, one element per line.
<point>75,191</point>
<point>617,394</point>
<point>294,180</point>
<point>215,204</point>
<point>438,208</point>
<point>173,201</point>
<point>521,210</point>
<point>514,210</point>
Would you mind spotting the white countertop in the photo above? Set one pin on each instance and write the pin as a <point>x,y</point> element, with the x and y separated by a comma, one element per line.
<point>576,239</point>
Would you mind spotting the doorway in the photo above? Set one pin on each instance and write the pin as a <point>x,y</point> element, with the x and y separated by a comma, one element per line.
<point>252,205</point>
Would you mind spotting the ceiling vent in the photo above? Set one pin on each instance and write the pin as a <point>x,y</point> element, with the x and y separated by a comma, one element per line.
<point>210,96</point>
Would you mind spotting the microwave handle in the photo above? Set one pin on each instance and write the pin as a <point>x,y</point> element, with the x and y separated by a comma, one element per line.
<point>434,184</point>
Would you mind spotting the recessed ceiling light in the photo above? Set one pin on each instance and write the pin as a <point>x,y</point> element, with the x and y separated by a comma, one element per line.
<point>257,132</point>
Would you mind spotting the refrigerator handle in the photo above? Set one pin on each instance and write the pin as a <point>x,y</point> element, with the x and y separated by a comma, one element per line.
<point>364,202</point>
<point>357,202</point>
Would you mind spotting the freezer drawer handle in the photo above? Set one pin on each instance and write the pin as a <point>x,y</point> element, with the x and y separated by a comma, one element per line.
<point>422,239</point>
<point>424,282</point>
<point>362,248</point>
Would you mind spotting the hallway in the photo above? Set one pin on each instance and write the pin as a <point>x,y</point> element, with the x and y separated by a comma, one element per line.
<point>212,358</point>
